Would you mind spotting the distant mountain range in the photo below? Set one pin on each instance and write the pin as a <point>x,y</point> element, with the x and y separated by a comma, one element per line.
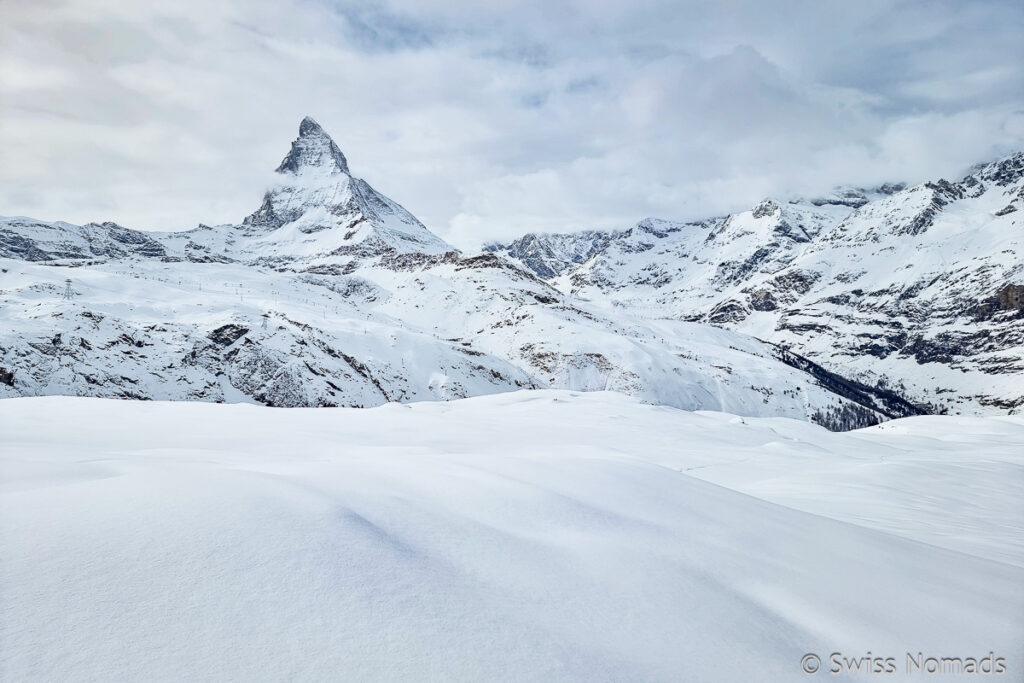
<point>845,310</point>
<point>918,289</point>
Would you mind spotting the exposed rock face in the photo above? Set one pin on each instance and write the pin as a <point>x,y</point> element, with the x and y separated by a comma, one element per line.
<point>1011,298</point>
<point>314,149</point>
<point>764,209</point>
<point>24,238</point>
<point>551,255</point>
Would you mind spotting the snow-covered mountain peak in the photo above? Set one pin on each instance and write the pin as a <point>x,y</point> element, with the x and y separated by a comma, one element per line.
<point>316,194</point>
<point>313,152</point>
<point>773,223</point>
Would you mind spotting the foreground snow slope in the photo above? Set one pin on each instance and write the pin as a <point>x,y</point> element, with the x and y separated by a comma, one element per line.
<point>522,536</point>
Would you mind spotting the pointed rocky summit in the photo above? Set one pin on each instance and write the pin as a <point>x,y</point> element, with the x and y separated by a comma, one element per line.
<point>316,194</point>
<point>313,150</point>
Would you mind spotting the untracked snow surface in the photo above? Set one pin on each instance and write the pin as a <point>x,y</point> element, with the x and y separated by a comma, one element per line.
<point>534,536</point>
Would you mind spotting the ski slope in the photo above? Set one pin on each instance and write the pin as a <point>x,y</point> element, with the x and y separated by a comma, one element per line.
<point>524,536</point>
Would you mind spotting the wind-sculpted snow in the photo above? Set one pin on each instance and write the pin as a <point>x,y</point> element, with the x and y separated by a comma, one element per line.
<point>543,536</point>
<point>913,289</point>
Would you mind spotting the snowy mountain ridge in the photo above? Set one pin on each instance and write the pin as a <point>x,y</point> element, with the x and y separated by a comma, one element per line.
<point>551,254</point>
<point>916,288</point>
<point>332,294</point>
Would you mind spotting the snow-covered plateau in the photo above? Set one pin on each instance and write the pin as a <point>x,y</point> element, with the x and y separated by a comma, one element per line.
<point>524,536</point>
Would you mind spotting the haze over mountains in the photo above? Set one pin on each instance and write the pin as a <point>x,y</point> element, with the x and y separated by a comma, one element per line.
<point>330,293</point>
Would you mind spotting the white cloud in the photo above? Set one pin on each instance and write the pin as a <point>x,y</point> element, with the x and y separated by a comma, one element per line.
<point>488,121</point>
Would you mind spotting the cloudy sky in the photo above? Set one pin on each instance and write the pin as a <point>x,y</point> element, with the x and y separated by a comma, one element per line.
<point>489,120</point>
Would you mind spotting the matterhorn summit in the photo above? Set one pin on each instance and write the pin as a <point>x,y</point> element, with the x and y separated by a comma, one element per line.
<point>317,209</point>
<point>313,151</point>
